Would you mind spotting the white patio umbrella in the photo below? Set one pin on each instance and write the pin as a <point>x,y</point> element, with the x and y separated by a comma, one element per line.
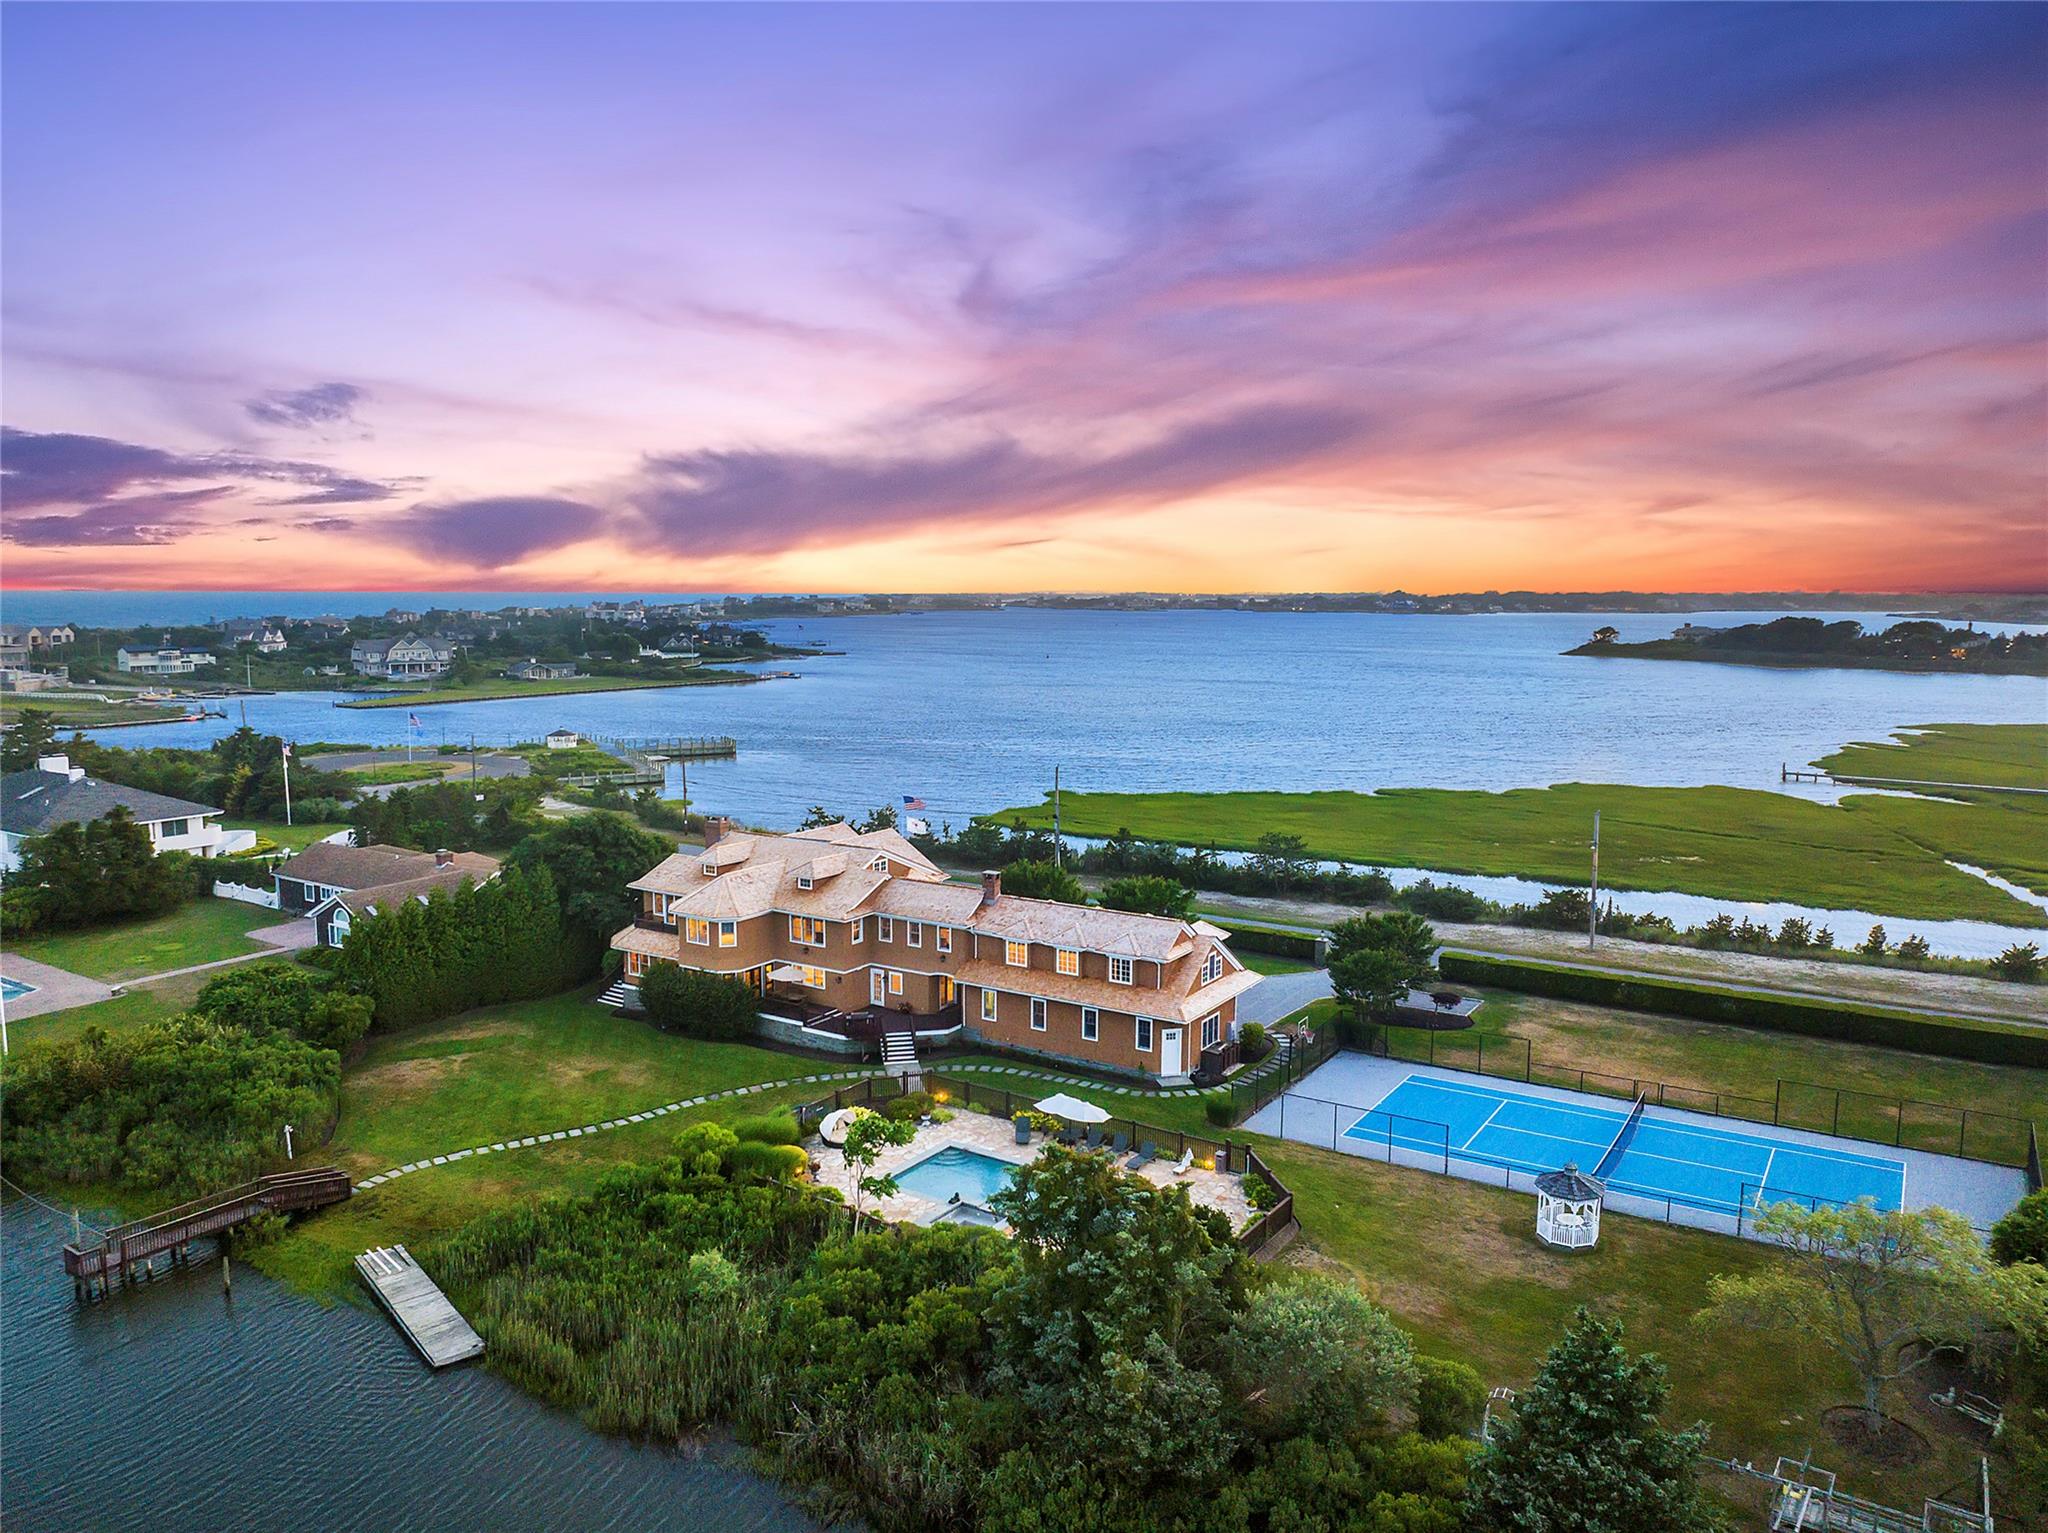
<point>1072,1109</point>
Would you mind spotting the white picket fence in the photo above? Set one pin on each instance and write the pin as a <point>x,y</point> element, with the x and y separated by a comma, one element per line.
<point>267,898</point>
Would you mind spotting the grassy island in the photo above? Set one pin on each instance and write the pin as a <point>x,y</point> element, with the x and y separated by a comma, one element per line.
<point>502,689</point>
<point>1799,642</point>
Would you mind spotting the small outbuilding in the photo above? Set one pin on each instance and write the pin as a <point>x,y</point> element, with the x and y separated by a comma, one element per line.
<point>563,740</point>
<point>1568,1208</point>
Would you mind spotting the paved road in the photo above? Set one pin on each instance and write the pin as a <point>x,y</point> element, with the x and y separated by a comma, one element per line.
<point>488,764</point>
<point>1278,995</point>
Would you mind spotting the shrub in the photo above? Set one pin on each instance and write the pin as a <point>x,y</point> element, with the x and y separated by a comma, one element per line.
<point>1150,894</point>
<point>768,1128</point>
<point>267,997</point>
<point>1442,902</point>
<point>1914,949</point>
<point>771,1162</point>
<point>1254,1043</point>
<point>2021,961</point>
<point>1449,1397</point>
<point>1219,1109</point>
<point>2022,1235</point>
<point>324,959</point>
<point>701,1005</point>
<point>1043,881</point>
<point>336,1020</point>
<point>909,1107</point>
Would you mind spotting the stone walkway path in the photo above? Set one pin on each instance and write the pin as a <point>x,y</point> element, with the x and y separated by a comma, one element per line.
<point>1020,1072</point>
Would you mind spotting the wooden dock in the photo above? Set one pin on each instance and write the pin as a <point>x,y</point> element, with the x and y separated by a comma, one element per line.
<point>1789,773</point>
<point>433,1325</point>
<point>129,1251</point>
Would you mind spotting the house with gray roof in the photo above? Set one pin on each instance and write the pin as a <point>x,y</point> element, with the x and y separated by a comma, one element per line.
<point>335,883</point>
<point>54,792</point>
<point>406,656</point>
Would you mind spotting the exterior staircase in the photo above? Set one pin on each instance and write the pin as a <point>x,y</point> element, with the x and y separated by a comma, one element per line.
<point>621,997</point>
<point>899,1058</point>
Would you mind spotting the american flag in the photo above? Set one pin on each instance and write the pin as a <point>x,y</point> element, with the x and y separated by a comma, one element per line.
<point>912,803</point>
<point>414,720</point>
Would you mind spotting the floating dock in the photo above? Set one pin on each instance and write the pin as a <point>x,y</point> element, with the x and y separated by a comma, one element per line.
<point>434,1327</point>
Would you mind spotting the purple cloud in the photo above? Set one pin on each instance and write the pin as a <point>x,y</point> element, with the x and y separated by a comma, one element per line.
<point>322,404</point>
<point>502,529</point>
<point>136,520</point>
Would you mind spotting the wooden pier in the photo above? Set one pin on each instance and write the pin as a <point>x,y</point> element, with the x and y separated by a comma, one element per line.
<point>433,1325</point>
<point>129,1252</point>
<point>1789,773</point>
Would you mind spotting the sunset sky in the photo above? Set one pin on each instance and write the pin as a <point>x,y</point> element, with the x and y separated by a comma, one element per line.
<point>988,298</point>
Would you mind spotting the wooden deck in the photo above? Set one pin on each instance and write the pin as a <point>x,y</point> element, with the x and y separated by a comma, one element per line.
<point>433,1325</point>
<point>129,1250</point>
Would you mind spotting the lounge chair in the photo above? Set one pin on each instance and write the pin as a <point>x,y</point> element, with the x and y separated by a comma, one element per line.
<point>1069,1135</point>
<point>1118,1143</point>
<point>1187,1159</point>
<point>1092,1140</point>
<point>1147,1153</point>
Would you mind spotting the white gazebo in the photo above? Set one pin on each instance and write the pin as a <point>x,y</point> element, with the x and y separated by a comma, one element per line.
<point>1568,1208</point>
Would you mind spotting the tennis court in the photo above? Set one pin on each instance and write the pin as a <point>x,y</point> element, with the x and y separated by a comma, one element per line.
<point>1714,1169</point>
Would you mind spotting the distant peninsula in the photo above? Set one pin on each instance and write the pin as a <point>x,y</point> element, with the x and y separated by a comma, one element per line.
<point>1798,642</point>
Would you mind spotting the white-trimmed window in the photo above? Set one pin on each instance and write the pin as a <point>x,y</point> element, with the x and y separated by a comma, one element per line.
<point>709,868</point>
<point>815,978</point>
<point>944,939</point>
<point>860,930</point>
<point>1212,1029</point>
<point>1091,1024</point>
<point>807,931</point>
<point>1119,970</point>
<point>879,862</point>
<point>175,827</point>
<point>1144,1035</point>
<point>913,933</point>
<point>1038,1010</point>
<point>728,934</point>
<point>885,928</point>
<point>947,990</point>
<point>805,881</point>
<point>1067,960</point>
<point>895,982</point>
<point>1017,954</point>
<point>697,930</point>
<point>636,963</point>
<point>988,1005</point>
<point>1212,966</point>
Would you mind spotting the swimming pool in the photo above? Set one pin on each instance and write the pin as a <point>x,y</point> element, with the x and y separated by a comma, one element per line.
<point>14,989</point>
<point>956,1172</point>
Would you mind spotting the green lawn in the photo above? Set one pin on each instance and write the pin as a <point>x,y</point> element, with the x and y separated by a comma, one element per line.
<point>1868,853</point>
<point>1270,963</point>
<point>401,771</point>
<point>294,838</point>
<point>199,932</point>
<point>133,1008</point>
<point>2004,755</point>
<point>499,689</point>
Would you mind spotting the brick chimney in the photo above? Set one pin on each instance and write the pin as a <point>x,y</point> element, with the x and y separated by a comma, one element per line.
<point>443,858</point>
<point>991,887</point>
<point>715,828</point>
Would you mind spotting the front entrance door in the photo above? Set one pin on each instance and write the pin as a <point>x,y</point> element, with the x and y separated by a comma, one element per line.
<point>1169,1051</point>
<point>878,987</point>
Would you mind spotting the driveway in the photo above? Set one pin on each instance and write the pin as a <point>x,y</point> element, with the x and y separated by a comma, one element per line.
<point>55,989</point>
<point>1277,995</point>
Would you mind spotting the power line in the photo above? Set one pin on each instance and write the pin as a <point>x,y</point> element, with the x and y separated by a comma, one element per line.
<point>62,1213</point>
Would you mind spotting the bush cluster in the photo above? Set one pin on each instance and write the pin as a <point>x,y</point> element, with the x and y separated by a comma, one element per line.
<point>698,1004</point>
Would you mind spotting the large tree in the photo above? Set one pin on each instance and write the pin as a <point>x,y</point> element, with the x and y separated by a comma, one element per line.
<point>1874,1286</point>
<point>1043,881</point>
<point>34,734</point>
<point>593,858</point>
<point>1584,1450</point>
<point>1150,894</point>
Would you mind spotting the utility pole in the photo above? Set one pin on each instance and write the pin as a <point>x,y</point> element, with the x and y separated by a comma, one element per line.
<point>1055,815</point>
<point>1593,904</point>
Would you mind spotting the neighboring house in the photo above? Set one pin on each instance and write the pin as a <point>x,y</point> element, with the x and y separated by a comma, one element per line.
<point>541,670</point>
<point>38,637</point>
<point>1692,633</point>
<point>336,884</point>
<point>267,640</point>
<point>406,656</point>
<point>853,921</point>
<point>1606,635</point>
<point>166,661</point>
<point>678,648</point>
<point>16,679</point>
<point>563,740</point>
<point>54,792</point>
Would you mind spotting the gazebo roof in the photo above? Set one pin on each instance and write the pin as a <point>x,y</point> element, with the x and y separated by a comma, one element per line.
<point>1570,1184</point>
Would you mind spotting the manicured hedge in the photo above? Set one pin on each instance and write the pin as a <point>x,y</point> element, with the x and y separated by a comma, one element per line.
<point>1987,1044</point>
<point>1268,939</point>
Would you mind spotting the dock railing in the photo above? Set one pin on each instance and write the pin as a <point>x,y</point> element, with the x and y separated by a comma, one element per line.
<point>125,1244</point>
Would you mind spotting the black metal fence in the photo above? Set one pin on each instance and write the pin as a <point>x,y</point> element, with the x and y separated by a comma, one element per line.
<point>1905,1122</point>
<point>1304,1053</point>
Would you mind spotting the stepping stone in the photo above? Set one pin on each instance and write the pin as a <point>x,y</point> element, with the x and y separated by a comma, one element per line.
<point>413,1167</point>
<point>440,1160</point>
<point>497,1147</point>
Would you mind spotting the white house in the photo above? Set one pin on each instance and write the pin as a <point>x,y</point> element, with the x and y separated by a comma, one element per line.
<point>54,792</point>
<point>563,740</point>
<point>268,640</point>
<point>169,660</point>
<point>407,656</point>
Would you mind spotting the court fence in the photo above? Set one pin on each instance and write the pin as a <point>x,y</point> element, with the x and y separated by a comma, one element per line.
<point>1941,1128</point>
<point>1424,1145</point>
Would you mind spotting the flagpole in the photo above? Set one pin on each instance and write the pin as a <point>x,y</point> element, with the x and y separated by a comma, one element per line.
<point>287,783</point>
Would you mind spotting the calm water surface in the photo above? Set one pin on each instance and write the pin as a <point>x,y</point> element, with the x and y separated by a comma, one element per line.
<point>170,1406</point>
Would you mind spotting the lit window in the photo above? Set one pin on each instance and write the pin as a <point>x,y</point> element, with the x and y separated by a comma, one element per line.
<point>913,933</point>
<point>1091,1024</point>
<point>1038,1014</point>
<point>1144,1035</point>
<point>1212,1030</point>
<point>895,982</point>
<point>988,1005</point>
<point>1017,954</point>
<point>698,930</point>
<point>945,939</point>
<point>947,990</point>
<point>815,978</point>
<point>728,934</point>
<point>1120,971</point>
<point>807,931</point>
<point>860,930</point>
<point>1069,960</point>
<point>885,929</point>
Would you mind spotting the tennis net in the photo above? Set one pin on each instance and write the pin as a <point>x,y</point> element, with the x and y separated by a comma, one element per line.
<point>1621,1140</point>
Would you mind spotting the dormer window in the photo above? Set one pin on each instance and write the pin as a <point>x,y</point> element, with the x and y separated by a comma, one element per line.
<point>880,863</point>
<point>1017,954</point>
<point>1068,960</point>
<point>805,881</point>
<point>1119,970</point>
<point>709,868</point>
<point>1212,966</point>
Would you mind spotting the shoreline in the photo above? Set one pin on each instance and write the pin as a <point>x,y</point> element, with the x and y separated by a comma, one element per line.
<point>1676,649</point>
<point>429,700</point>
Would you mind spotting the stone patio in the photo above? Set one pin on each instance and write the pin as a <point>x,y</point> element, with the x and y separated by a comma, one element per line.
<point>997,1138</point>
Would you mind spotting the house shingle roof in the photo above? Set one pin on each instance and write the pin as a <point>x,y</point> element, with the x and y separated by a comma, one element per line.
<point>376,866</point>
<point>36,801</point>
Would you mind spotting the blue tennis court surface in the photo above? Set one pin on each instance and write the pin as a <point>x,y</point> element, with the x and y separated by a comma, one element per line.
<point>1718,1169</point>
